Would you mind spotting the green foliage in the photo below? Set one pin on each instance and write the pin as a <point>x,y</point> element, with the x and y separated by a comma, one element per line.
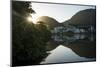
<point>28,41</point>
<point>43,29</point>
<point>22,7</point>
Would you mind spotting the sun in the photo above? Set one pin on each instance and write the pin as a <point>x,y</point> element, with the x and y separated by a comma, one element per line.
<point>35,18</point>
<point>30,19</point>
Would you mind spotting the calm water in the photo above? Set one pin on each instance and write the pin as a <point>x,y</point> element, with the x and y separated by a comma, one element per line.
<point>78,47</point>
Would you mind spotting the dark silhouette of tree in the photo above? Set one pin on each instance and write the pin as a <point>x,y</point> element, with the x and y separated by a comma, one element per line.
<point>21,7</point>
<point>28,42</point>
<point>43,29</point>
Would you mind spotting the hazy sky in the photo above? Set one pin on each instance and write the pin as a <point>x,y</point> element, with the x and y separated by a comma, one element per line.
<point>60,12</point>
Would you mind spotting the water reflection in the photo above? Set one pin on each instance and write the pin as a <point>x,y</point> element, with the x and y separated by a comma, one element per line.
<point>63,54</point>
<point>79,47</point>
<point>83,48</point>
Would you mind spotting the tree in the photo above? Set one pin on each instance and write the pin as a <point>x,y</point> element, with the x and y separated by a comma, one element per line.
<point>21,7</point>
<point>28,43</point>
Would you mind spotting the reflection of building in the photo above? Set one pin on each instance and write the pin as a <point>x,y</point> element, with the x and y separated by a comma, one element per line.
<point>65,38</point>
<point>82,47</point>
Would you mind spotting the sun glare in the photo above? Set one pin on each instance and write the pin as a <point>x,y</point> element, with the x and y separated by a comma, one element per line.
<point>35,18</point>
<point>30,19</point>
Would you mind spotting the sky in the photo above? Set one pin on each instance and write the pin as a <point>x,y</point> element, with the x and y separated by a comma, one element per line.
<point>60,12</point>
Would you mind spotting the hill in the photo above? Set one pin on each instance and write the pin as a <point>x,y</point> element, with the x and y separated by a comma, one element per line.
<point>86,17</point>
<point>50,22</point>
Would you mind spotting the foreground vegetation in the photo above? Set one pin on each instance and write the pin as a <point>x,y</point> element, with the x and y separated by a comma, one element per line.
<point>28,40</point>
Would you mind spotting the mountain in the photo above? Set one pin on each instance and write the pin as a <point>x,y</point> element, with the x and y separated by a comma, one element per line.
<point>86,17</point>
<point>50,22</point>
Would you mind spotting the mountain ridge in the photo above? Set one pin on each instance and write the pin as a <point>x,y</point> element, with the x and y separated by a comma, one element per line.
<point>86,16</point>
